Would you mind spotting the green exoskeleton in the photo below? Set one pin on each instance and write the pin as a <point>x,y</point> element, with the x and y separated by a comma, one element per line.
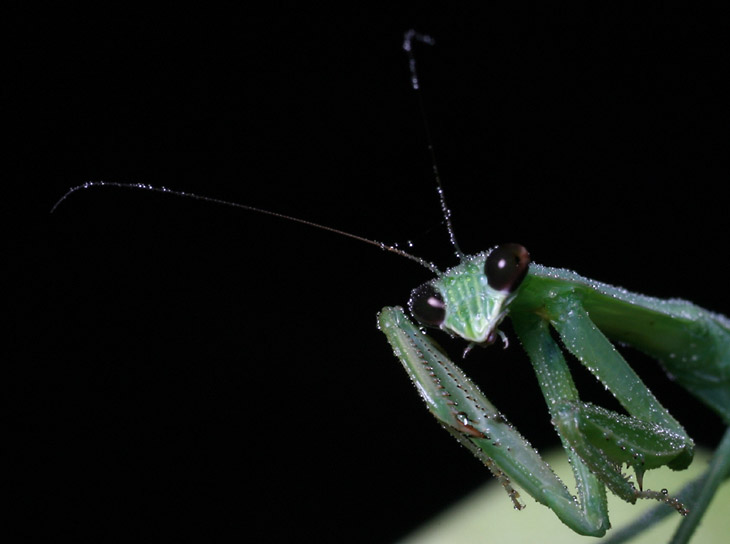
<point>473,298</point>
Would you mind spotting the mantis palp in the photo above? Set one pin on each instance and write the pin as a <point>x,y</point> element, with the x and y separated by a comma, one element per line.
<point>569,288</point>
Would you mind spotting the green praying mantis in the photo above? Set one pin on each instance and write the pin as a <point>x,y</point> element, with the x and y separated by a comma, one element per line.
<point>473,299</point>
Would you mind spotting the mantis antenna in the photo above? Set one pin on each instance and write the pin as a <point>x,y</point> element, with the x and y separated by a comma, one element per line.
<point>408,38</point>
<point>144,187</point>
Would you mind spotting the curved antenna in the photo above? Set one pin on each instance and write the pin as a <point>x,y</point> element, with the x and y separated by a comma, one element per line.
<point>409,37</point>
<point>144,187</point>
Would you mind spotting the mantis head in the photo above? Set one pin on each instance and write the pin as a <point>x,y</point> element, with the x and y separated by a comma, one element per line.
<point>471,299</point>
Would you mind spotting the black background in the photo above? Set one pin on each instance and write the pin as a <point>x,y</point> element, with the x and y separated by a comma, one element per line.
<point>179,368</point>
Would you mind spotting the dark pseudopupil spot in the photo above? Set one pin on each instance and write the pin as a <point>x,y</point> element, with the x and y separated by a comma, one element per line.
<point>506,267</point>
<point>427,305</point>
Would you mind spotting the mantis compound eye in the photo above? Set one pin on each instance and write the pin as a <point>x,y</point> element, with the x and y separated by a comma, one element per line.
<point>506,267</point>
<point>427,305</point>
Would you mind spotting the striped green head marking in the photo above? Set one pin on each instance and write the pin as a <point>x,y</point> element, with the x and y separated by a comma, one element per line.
<point>471,299</point>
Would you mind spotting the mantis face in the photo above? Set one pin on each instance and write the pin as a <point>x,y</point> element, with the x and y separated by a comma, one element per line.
<point>471,299</point>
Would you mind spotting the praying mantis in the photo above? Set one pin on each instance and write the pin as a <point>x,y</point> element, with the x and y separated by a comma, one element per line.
<point>575,301</point>
<point>473,299</point>
<point>470,301</point>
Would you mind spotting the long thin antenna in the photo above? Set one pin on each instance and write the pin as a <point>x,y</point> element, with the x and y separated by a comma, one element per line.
<point>144,187</point>
<point>408,39</point>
